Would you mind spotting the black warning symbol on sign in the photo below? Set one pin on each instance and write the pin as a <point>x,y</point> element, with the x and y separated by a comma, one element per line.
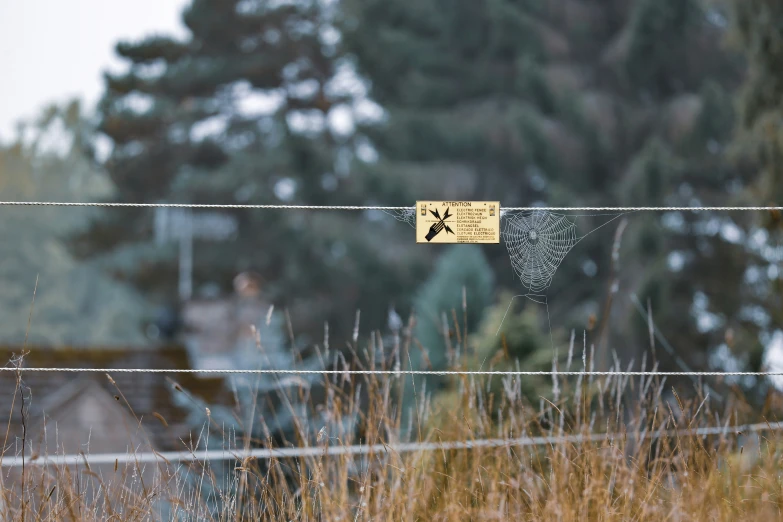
<point>440,225</point>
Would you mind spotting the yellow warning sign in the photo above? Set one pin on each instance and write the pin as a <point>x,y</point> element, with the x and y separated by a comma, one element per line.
<point>458,222</point>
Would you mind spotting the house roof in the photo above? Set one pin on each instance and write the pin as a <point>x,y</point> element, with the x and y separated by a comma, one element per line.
<point>94,411</point>
<point>141,394</point>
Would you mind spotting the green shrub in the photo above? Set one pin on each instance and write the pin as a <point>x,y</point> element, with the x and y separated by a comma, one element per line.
<point>461,266</point>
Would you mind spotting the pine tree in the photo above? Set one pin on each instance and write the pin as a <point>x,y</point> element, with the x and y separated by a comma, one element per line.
<point>759,34</point>
<point>758,148</point>
<point>572,104</point>
<point>253,107</point>
<point>461,283</point>
<point>449,308</point>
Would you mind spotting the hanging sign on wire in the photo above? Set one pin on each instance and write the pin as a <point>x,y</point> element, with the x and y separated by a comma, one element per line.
<point>458,222</point>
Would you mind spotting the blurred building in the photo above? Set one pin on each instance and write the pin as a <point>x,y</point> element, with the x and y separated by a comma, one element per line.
<point>219,331</point>
<point>67,413</point>
<point>70,412</point>
<point>87,411</point>
<point>242,331</point>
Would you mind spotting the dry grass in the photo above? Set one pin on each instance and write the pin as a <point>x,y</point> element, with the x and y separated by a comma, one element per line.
<point>677,477</point>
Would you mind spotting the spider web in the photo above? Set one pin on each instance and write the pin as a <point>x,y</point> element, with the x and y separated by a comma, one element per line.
<point>406,215</point>
<point>537,242</point>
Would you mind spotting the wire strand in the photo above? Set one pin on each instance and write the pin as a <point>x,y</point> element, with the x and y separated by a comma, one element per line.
<point>352,207</point>
<point>11,369</point>
<point>315,451</point>
<point>193,205</point>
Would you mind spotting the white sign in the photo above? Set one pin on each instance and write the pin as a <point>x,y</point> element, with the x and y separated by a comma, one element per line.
<point>171,224</point>
<point>183,225</point>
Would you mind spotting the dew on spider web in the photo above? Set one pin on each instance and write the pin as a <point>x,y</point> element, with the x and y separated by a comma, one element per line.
<point>406,215</point>
<point>537,242</point>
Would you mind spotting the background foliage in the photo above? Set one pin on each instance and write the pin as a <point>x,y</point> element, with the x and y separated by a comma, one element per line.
<point>567,102</point>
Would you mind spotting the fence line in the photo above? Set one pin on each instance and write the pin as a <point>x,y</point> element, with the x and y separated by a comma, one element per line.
<point>11,369</point>
<point>319,451</point>
<point>352,207</point>
<point>267,453</point>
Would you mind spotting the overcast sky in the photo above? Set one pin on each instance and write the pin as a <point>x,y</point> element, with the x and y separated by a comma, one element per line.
<point>52,50</point>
